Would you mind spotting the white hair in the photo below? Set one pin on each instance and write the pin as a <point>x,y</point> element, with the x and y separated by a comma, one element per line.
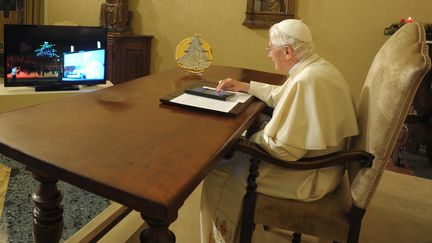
<point>302,49</point>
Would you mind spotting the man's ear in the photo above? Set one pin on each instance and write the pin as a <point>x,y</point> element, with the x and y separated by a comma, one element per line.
<point>289,52</point>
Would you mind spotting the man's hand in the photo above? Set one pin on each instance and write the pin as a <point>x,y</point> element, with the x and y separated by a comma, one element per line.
<point>232,85</point>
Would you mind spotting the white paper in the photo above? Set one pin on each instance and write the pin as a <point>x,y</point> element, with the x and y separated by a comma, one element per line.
<point>206,103</point>
<point>240,97</point>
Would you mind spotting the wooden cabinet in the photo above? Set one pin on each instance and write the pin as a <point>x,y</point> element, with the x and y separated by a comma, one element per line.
<point>418,125</point>
<point>128,57</point>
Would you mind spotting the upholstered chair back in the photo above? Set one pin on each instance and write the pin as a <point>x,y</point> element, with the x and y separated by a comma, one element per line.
<point>386,97</point>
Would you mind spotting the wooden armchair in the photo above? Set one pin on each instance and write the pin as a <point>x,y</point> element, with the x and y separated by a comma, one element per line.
<point>386,97</point>
<point>270,211</point>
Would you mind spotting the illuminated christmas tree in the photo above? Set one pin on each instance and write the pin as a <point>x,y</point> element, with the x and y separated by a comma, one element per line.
<point>46,50</point>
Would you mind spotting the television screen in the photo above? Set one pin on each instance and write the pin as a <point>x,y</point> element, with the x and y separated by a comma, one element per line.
<point>43,55</point>
<point>85,65</point>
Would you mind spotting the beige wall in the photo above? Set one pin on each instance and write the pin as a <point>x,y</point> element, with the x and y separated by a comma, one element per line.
<point>83,12</point>
<point>346,32</point>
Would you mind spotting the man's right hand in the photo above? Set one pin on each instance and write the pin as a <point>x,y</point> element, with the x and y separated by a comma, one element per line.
<point>230,84</point>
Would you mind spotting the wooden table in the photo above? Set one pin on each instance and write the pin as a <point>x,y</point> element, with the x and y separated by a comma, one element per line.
<point>122,144</point>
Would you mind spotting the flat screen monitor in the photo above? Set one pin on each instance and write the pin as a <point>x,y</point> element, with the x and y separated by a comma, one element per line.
<point>54,57</point>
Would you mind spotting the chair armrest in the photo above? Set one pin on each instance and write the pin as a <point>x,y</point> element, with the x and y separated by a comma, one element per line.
<point>268,111</point>
<point>259,122</point>
<point>333,159</point>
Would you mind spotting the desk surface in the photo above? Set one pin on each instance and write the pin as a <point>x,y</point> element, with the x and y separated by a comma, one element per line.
<point>121,143</point>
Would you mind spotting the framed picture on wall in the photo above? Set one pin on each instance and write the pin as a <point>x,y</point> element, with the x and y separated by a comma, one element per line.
<point>265,13</point>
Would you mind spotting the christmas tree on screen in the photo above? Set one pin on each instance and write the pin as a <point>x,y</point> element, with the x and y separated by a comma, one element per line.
<point>46,50</point>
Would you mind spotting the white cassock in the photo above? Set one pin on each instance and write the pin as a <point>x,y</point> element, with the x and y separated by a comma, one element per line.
<point>314,115</point>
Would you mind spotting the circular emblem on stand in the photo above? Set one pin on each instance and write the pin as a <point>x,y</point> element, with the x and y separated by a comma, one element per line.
<point>193,54</point>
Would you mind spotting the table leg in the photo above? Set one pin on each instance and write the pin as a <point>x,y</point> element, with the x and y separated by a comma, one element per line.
<point>48,212</point>
<point>158,231</point>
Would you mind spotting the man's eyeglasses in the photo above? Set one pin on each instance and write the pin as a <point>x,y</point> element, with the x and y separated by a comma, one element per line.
<point>269,49</point>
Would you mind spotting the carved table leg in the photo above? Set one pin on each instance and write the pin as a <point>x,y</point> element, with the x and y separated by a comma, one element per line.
<point>48,212</point>
<point>158,231</point>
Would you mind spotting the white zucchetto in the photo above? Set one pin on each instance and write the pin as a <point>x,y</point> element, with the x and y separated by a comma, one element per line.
<point>296,29</point>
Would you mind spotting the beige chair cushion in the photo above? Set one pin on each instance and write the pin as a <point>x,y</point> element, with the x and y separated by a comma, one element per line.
<point>389,89</point>
<point>326,218</point>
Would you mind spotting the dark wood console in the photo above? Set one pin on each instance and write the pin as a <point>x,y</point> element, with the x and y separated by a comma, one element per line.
<point>128,57</point>
<point>418,125</point>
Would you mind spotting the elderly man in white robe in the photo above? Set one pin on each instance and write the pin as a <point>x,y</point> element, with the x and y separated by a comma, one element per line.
<point>314,114</point>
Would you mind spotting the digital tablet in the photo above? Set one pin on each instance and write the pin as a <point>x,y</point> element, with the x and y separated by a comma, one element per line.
<point>210,93</point>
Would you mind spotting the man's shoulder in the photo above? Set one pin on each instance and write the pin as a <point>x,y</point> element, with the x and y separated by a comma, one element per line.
<point>319,79</point>
<point>320,69</point>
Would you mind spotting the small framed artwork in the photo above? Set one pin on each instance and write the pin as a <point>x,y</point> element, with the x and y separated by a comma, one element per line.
<point>265,13</point>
